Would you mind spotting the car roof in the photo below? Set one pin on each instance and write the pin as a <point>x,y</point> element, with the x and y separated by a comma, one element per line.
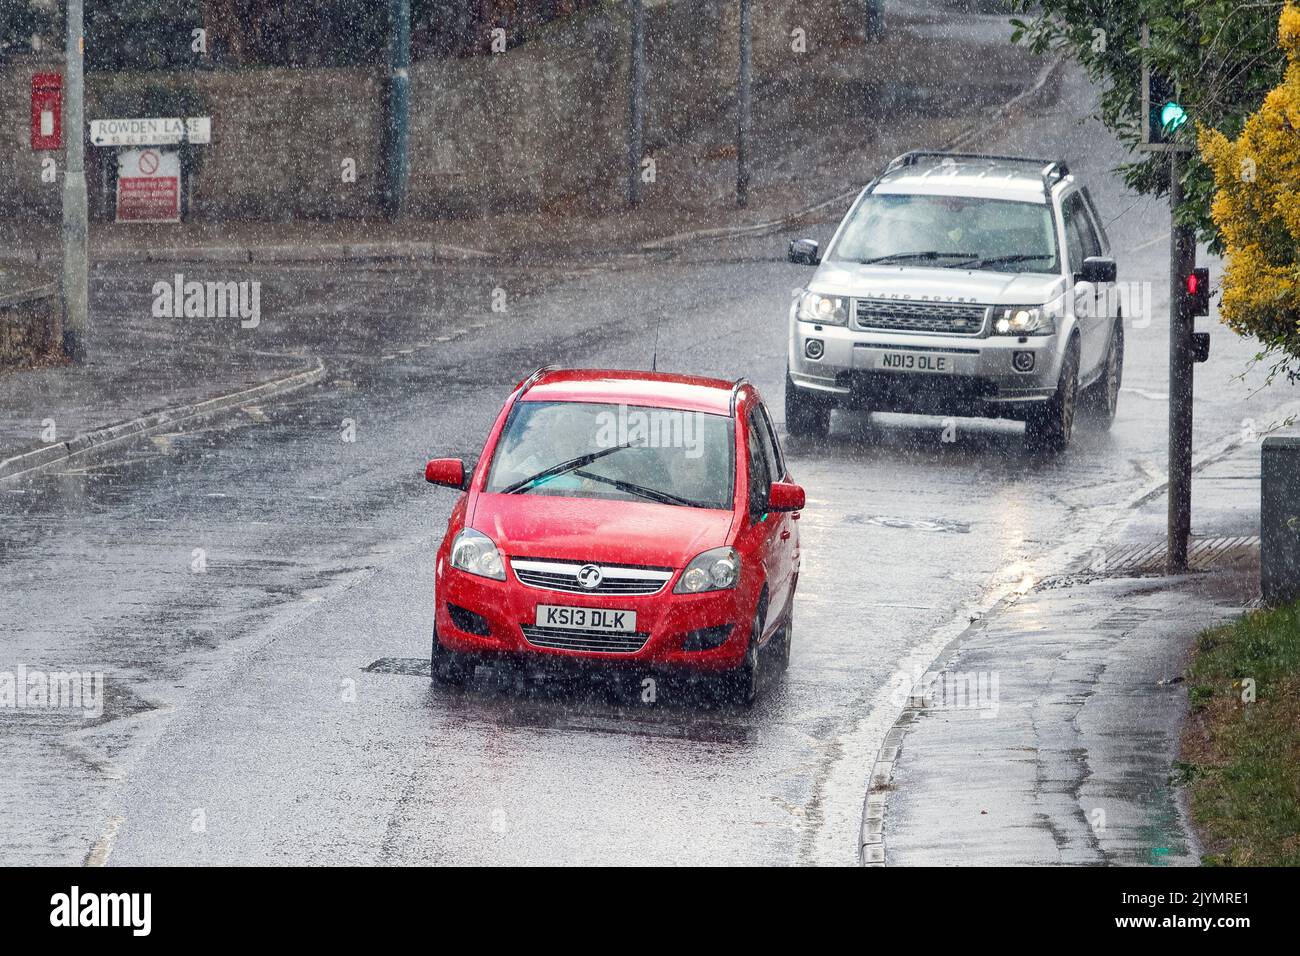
<point>973,177</point>
<point>690,393</point>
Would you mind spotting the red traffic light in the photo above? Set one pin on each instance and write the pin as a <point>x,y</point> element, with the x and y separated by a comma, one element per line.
<point>1197,285</point>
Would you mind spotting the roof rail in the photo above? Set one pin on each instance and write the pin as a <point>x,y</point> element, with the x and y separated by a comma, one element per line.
<point>735,391</point>
<point>531,380</point>
<point>1050,170</point>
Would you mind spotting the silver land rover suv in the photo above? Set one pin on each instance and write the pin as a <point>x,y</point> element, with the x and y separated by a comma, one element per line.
<point>965,285</point>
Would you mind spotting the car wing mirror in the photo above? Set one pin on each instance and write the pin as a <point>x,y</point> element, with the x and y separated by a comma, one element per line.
<point>1097,269</point>
<point>449,472</point>
<point>804,252</point>
<point>785,496</point>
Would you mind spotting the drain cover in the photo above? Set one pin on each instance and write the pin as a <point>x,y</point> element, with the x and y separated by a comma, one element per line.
<point>1145,558</point>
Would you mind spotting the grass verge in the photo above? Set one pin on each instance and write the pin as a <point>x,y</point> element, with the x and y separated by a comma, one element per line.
<point>1241,742</point>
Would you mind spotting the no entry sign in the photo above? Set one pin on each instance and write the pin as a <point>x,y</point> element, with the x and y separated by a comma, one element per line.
<point>148,185</point>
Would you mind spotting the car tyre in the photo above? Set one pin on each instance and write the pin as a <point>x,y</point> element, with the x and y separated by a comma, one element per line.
<point>806,416</point>
<point>449,667</point>
<point>1101,398</point>
<point>783,647</point>
<point>1050,426</point>
<point>740,685</point>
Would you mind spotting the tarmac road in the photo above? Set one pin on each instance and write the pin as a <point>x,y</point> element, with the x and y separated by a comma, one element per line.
<point>258,589</point>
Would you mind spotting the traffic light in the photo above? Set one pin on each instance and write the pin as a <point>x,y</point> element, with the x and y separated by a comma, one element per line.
<point>1165,114</point>
<point>1163,111</point>
<point>1197,289</point>
<point>1196,302</point>
<point>1200,346</point>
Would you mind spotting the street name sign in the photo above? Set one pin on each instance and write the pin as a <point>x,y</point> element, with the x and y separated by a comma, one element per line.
<point>166,131</point>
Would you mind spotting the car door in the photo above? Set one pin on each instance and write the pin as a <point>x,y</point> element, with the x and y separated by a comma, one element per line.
<point>788,535</point>
<point>763,536</point>
<point>1089,297</point>
<point>1107,293</point>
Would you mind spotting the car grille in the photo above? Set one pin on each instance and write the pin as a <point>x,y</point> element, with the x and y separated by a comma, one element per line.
<point>935,317</point>
<point>614,578</point>
<point>568,639</point>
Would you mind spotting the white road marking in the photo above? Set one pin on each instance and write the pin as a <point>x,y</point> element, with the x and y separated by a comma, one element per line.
<point>1163,237</point>
<point>1144,393</point>
<point>99,853</point>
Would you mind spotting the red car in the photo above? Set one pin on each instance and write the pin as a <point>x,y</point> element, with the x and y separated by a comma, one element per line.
<point>621,516</point>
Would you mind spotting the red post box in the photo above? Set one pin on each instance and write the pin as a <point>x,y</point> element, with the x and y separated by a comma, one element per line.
<point>47,111</point>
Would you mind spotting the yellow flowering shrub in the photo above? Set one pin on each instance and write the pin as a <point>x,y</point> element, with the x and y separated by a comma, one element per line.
<point>1256,207</point>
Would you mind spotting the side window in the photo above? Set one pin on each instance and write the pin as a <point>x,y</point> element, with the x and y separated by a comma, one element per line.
<point>760,475</point>
<point>776,461</point>
<point>1091,247</point>
<point>1072,214</point>
<point>1094,218</point>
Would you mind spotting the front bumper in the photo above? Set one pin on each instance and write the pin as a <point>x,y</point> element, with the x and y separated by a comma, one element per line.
<point>668,620</point>
<point>982,380</point>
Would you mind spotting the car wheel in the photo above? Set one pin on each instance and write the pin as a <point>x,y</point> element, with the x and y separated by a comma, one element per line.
<point>1102,397</point>
<point>741,683</point>
<point>449,667</point>
<point>787,634</point>
<point>806,416</point>
<point>1050,426</point>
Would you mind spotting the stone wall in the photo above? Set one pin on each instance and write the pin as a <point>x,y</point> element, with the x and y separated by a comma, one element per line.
<point>30,323</point>
<point>541,123</point>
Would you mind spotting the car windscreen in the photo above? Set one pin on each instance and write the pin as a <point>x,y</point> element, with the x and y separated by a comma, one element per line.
<point>616,452</point>
<point>951,232</point>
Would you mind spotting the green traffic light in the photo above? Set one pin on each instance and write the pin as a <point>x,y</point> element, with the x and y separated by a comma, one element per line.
<point>1172,116</point>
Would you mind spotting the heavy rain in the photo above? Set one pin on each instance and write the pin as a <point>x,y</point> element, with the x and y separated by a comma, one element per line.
<point>650,432</point>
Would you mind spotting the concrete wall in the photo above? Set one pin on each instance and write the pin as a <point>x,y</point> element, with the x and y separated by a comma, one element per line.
<point>542,123</point>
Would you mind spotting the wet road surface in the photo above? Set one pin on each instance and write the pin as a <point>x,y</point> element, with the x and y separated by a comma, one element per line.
<point>258,588</point>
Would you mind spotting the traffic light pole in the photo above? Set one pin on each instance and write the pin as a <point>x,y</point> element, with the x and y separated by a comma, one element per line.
<point>1182,259</point>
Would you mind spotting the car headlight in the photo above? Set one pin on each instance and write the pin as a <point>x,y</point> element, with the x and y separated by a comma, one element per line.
<point>473,551</point>
<point>1022,320</point>
<point>826,309</point>
<point>714,570</point>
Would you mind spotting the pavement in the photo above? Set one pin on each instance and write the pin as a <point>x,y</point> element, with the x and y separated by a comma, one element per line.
<point>139,375</point>
<point>20,283</point>
<point>1048,733</point>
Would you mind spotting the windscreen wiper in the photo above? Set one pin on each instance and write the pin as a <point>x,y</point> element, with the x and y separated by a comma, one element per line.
<point>1014,257</point>
<point>925,254</point>
<point>571,465</point>
<point>654,494</point>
